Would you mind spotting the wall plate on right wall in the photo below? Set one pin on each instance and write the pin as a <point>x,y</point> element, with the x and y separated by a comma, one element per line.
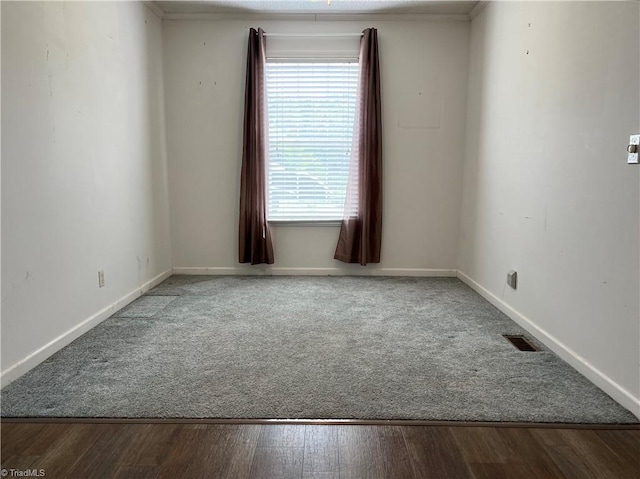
<point>633,150</point>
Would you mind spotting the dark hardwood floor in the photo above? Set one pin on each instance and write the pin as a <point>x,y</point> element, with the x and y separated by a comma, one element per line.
<point>183,450</point>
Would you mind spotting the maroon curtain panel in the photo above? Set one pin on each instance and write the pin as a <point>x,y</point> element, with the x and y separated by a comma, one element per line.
<point>255,238</point>
<point>361,230</point>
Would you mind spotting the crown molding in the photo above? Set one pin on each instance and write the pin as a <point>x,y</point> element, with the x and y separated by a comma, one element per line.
<point>475,11</point>
<point>418,17</point>
<point>155,9</point>
<point>240,16</point>
<point>318,17</point>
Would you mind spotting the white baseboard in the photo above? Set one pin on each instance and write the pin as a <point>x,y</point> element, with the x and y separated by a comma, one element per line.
<point>261,270</point>
<point>16,370</point>
<point>584,367</point>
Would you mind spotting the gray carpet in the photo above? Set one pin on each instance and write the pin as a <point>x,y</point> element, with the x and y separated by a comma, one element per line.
<point>308,347</point>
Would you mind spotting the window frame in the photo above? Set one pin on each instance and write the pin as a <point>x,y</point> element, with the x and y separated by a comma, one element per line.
<point>302,59</point>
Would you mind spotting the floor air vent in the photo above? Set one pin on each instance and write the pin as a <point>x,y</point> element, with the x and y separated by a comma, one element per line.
<point>520,342</point>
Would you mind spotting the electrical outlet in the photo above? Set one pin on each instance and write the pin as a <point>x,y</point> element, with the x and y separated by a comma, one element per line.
<point>633,149</point>
<point>512,279</point>
<point>100,279</point>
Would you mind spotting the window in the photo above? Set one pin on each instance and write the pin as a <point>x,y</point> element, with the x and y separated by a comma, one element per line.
<point>311,110</point>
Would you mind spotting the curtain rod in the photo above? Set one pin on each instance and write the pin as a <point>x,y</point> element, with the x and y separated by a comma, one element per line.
<point>312,34</point>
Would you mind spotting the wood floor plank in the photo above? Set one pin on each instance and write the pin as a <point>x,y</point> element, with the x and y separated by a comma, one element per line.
<point>102,460</point>
<point>68,448</point>
<point>625,444</point>
<point>482,445</point>
<point>150,445</point>
<point>510,471</point>
<point>183,458</point>
<point>224,451</point>
<point>358,452</point>
<point>373,451</point>
<point>481,470</point>
<point>598,456</point>
<point>201,447</point>
<point>20,462</point>
<point>571,465</point>
<point>17,437</point>
<point>281,435</point>
<point>235,456</point>
<point>587,443</point>
<point>527,455</point>
<point>435,452</point>
<point>45,438</point>
<point>389,431</point>
<point>136,472</point>
<point>321,475</point>
<point>548,437</point>
<point>393,453</point>
<point>603,468</point>
<point>277,462</point>
<point>321,455</point>
<point>31,440</point>
<point>520,470</point>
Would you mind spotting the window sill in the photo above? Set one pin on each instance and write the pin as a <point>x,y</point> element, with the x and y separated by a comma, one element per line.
<point>304,222</point>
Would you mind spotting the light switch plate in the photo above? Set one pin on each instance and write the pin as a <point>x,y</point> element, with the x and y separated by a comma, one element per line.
<point>632,158</point>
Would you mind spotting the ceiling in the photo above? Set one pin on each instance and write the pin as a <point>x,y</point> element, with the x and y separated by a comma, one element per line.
<point>317,6</point>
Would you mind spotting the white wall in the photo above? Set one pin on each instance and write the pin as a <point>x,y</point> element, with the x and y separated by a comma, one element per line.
<point>84,174</point>
<point>424,79</point>
<point>554,92</point>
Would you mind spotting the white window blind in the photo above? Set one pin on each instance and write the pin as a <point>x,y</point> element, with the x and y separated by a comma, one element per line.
<point>311,110</point>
